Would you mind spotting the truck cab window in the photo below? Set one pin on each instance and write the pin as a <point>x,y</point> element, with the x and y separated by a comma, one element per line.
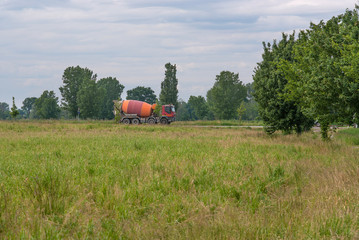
<point>168,109</point>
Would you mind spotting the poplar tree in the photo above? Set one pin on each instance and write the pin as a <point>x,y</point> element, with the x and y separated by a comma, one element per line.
<point>169,91</point>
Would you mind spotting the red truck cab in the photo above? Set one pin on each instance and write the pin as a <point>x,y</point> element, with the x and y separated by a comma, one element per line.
<point>168,114</point>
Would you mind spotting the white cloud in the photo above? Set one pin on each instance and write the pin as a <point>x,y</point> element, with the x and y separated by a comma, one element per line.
<point>132,40</point>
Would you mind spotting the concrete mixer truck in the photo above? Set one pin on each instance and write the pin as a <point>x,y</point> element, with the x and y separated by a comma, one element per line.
<point>136,112</point>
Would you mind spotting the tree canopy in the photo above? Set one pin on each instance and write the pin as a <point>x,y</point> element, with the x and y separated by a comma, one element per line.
<point>198,106</point>
<point>226,95</point>
<point>324,74</point>
<point>28,105</point>
<point>112,90</point>
<point>73,78</point>
<point>145,94</point>
<point>90,99</point>
<point>169,91</point>
<point>47,105</point>
<point>4,111</point>
<point>277,112</point>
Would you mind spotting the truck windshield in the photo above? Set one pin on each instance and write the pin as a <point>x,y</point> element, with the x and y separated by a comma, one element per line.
<point>173,109</point>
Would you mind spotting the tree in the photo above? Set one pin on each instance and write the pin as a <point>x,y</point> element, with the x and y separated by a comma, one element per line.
<point>182,113</point>
<point>241,110</point>
<point>226,95</point>
<point>251,110</point>
<point>90,99</point>
<point>73,79</point>
<point>14,111</point>
<point>198,106</point>
<point>324,76</point>
<point>158,109</point>
<point>4,111</point>
<point>169,91</point>
<point>27,105</point>
<point>145,94</point>
<point>47,106</point>
<point>112,91</point>
<point>277,112</point>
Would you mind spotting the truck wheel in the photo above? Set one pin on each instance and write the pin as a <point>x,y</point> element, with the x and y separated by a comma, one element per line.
<point>135,121</point>
<point>151,121</point>
<point>126,121</point>
<point>164,121</point>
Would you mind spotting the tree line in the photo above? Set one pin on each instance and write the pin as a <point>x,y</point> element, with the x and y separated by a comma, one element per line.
<point>311,78</point>
<point>83,96</point>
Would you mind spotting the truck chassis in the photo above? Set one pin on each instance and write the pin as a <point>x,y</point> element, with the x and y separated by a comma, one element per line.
<point>134,119</point>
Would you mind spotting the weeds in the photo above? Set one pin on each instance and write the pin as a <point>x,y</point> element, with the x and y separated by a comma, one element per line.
<point>100,180</point>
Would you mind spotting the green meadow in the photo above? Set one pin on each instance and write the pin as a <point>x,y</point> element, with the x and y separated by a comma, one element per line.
<point>100,180</point>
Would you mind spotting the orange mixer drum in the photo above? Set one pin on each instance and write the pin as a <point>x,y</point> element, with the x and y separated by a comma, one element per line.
<point>142,109</point>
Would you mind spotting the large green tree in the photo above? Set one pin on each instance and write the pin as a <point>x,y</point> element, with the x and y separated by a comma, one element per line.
<point>226,95</point>
<point>270,82</point>
<point>169,91</point>
<point>4,111</point>
<point>199,107</point>
<point>324,76</point>
<point>47,105</point>
<point>27,106</point>
<point>112,90</point>
<point>89,99</point>
<point>73,78</point>
<point>182,113</point>
<point>145,94</point>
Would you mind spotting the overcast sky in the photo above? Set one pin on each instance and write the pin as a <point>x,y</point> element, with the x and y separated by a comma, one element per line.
<point>132,40</point>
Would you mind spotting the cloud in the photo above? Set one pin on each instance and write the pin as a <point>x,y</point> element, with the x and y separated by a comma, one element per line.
<point>133,40</point>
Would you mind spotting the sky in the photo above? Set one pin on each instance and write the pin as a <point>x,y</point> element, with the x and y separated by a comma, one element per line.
<point>132,40</point>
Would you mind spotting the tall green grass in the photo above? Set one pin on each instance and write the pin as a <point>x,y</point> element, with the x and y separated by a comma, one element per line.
<point>349,136</point>
<point>219,123</point>
<point>108,181</point>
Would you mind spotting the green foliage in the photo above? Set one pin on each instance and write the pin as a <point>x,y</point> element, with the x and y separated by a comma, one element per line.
<point>27,106</point>
<point>117,110</point>
<point>4,111</point>
<point>198,107</point>
<point>241,110</point>
<point>145,94</point>
<point>112,91</point>
<point>277,112</point>
<point>324,76</point>
<point>250,105</point>
<point>169,91</point>
<point>251,110</point>
<point>73,78</point>
<point>226,95</point>
<point>182,113</point>
<point>47,106</point>
<point>90,99</point>
<point>14,111</point>
<point>158,109</point>
<point>349,136</point>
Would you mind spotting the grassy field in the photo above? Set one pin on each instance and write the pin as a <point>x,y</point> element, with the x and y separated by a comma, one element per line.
<point>104,181</point>
<point>218,123</point>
